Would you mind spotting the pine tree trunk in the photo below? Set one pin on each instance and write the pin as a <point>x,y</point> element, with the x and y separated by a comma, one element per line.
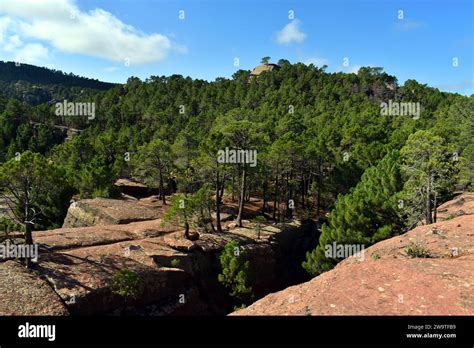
<point>218,204</point>
<point>186,230</point>
<point>318,190</point>
<point>275,197</point>
<point>242,196</point>
<point>233,186</point>
<point>28,241</point>
<point>264,206</point>
<point>222,188</point>
<point>162,190</point>
<point>247,196</point>
<point>303,187</point>
<point>428,203</point>
<point>288,196</point>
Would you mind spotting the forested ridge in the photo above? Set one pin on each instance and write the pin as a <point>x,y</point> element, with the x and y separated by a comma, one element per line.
<point>323,148</point>
<point>36,85</point>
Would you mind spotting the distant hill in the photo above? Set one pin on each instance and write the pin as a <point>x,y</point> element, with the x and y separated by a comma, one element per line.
<point>36,85</point>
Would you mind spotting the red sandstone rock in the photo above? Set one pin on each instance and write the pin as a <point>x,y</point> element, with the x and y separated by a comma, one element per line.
<point>460,205</point>
<point>388,281</point>
<point>104,211</point>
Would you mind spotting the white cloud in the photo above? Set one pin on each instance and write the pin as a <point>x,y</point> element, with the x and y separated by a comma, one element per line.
<point>96,33</point>
<point>316,61</point>
<point>290,33</point>
<point>4,23</point>
<point>12,43</point>
<point>34,53</point>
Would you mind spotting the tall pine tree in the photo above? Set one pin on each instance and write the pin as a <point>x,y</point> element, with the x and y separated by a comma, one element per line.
<point>367,214</point>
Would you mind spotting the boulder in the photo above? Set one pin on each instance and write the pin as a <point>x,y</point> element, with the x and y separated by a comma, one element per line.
<point>133,188</point>
<point>104,211</point>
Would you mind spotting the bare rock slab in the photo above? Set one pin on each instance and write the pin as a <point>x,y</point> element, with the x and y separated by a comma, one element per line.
<point>103,211</point>
<point>390,281</point>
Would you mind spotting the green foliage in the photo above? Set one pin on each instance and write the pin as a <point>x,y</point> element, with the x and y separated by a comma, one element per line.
<point>375,256</point>
<point>204,204</point>
<point>239,307</point>
<point>416,250</point>
<point>366,215</point>
<point>191,210</point>
<point>430,172</point>
<point>7,226</point>
<point>175,262</point>
<point>258,221</point>
<point>316,133</point>
<point>235,273</point>
<point>127,284</point>
<point>95,179</point>
<point>35,189</point>
<point>152,160</point>
<point>182,211</point>
<point>40,85</point>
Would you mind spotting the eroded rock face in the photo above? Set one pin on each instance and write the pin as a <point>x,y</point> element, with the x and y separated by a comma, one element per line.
<point>78,266</point>
<point>83,277</point>
<point>390,280</point>
<point>103,211</point>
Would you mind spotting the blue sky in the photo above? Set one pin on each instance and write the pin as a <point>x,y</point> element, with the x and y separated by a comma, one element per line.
<point>96,38</point>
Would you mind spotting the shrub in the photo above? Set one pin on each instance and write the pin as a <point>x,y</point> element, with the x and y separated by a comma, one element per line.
<point>127,284</point>
<point>416,250</point>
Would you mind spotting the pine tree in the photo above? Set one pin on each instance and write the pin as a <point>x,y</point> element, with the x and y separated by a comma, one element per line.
<point>430,168</point>
<point>235,271</point>
<point>31,187</point>
<point>367,214</point>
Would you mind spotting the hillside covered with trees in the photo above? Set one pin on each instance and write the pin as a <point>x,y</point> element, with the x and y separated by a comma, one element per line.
<point>324,150</point>
<point>36,85</point>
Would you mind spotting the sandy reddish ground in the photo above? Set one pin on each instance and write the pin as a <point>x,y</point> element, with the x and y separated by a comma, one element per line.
<point>387,281</point>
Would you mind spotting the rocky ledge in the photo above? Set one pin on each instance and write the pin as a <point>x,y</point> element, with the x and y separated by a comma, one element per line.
<point>105,211</point>
<point>77,266</point>
<point>391,280</point>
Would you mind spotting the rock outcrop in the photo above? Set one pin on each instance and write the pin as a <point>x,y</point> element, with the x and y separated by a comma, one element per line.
<point>460,205</point>
<point>179,276</point>
<point>426,271</point>
<point>104,211</point>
